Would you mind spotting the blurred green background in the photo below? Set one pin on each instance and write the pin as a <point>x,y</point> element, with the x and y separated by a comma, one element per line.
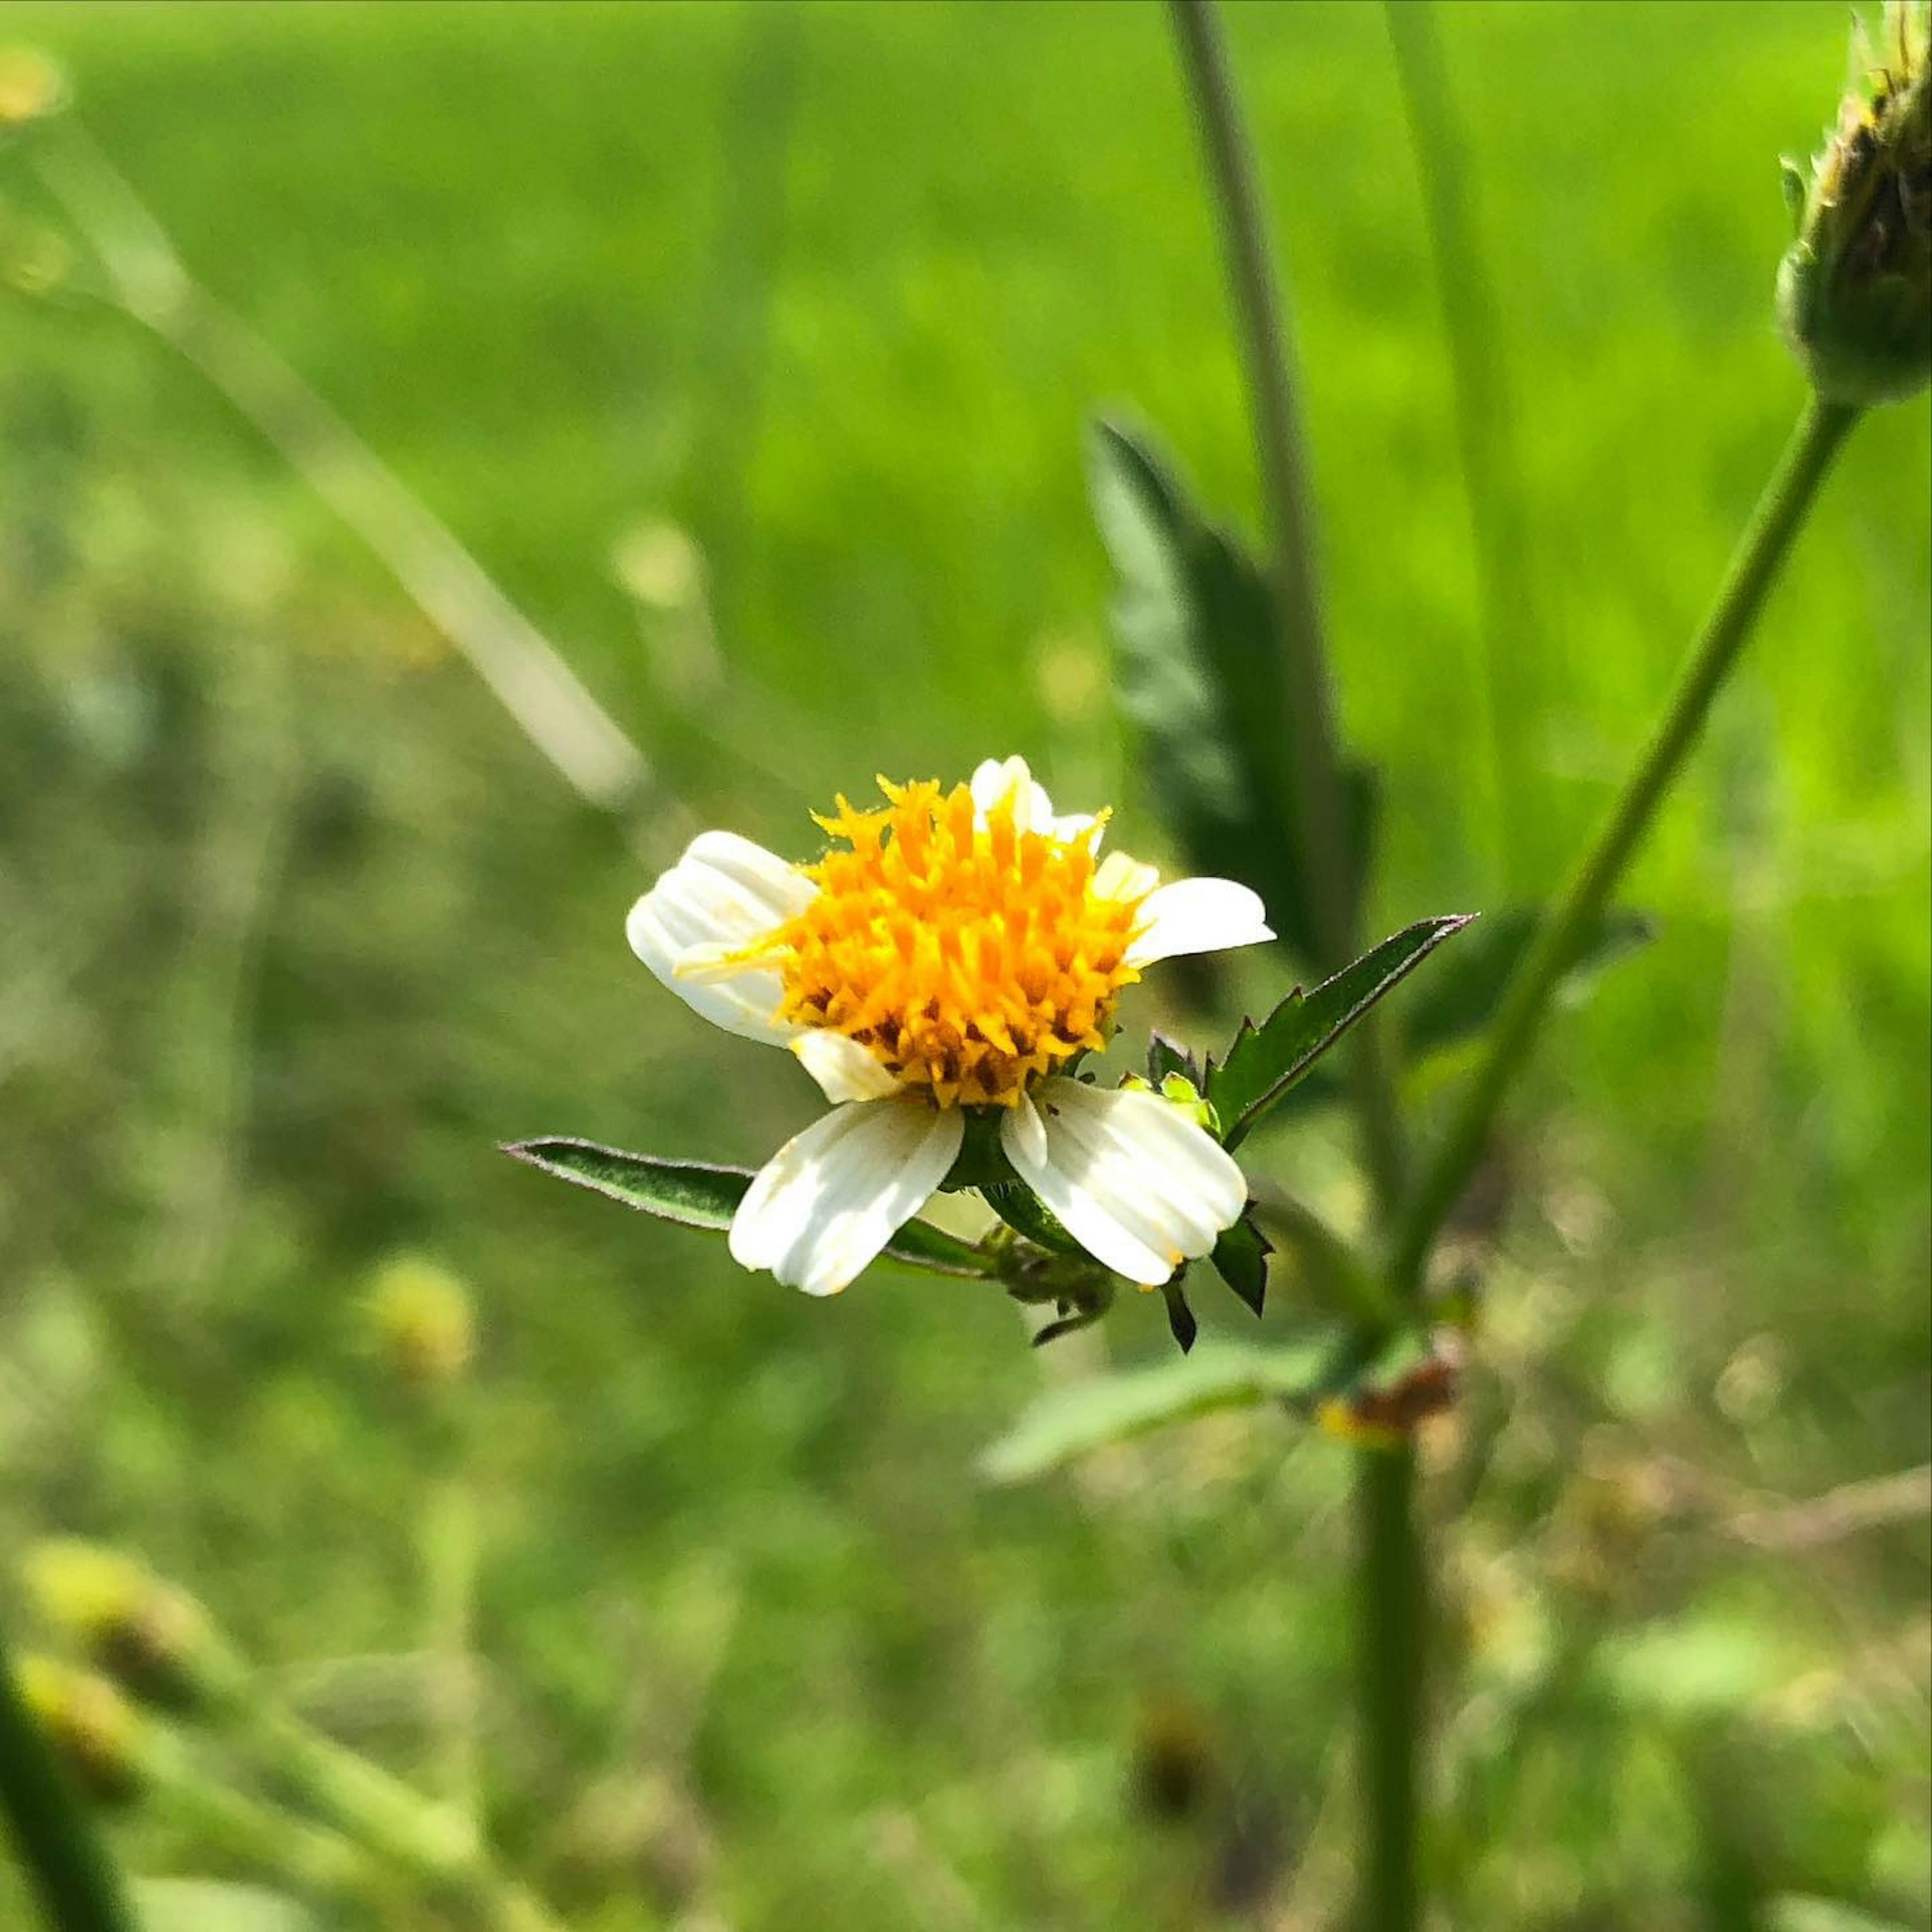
<point>751,348</point>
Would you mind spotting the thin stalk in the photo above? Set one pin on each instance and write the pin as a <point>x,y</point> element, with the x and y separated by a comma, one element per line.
<point>1779,514</point>
<point>1391,1581</point>
<point>1388,1564</point>
<point>450,1547</point>
<point>1483,414</point>
<point>1314,774</point>
<point>71,1874</point>
<point>142,273</point>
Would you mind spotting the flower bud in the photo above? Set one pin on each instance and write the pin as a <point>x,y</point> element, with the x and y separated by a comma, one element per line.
<point>31,88</point>
<point>1854,288</point>
<point>92,1728</point>
<point>423,1324</point>
<point>152,1638</point>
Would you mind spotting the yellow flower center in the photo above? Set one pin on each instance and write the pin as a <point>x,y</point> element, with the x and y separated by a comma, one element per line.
<point>968,956</point>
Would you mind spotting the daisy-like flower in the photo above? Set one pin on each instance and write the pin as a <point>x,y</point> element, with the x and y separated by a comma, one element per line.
<point>953,953</point>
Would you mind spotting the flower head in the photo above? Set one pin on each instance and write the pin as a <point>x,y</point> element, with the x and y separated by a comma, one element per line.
<point>1854,288</point>
<point>951,954</point>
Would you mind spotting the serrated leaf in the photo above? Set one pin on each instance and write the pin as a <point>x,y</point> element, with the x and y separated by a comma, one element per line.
<point>1264,1061</point>
<point>699,1194</point>
<point>216,1905</point>
<point>1241,1259</point>
<point>1068,1422</point>
<point>1200,679</point>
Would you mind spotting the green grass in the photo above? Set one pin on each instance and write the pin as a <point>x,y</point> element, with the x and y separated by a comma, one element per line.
<point>294,929</point>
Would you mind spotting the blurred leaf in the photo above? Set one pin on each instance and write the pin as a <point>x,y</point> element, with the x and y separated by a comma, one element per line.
<point>1706,1665</point>
<point>216,1905</point>
<point>1796,1914</point>
<point>697,1194</point>
<point>1264,1061</point>
<point>1066,1423</point>
<point>1201,681</point>
<point>1240,1256</point>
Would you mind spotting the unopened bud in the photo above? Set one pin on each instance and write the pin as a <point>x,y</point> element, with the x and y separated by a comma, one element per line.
<point>145,1633</point>
<point>422,1321</point>
<point>31,88</point>
<point>1854,288</point>
<point>1179,1093</point>
<point>92,1728</point>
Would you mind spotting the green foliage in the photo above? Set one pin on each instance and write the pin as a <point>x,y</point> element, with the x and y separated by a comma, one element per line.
<point>1199,679</point>
<point>216,1905</point>
<point>292,930</point>
<point>697,1195</point>
<point>1264,1062</point>
<point>1085,1416</point>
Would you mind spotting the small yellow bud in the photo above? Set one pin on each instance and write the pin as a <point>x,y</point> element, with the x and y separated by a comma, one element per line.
<point>149,1636</point>
<point>423,1322</point>
<point>31,88</point>
<point>1854,288</point>
<point>91,1726</point>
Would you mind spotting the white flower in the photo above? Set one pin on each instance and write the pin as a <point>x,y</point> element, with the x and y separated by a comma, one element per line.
<point>951,951</point>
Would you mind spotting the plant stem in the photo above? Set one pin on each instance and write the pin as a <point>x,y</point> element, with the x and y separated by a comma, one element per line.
<point>1779,515</point>
<point>1391,1582</point>
<point>78,1887</point>
<point>1484,419</point>
<point>1388,1564</point>
<point>1314,775</point>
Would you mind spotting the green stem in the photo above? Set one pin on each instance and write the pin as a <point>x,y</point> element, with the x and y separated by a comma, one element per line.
<point>75,1882</point>
<point>1391,1582</point>
<point>1484,419</point>
<point>450,1550</point>
<point>1314,772</point>
<point>1779,514</point>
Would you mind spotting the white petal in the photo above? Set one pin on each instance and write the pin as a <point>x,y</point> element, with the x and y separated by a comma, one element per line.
<point>1197,916</point>
<point>723,894</point>
<point>1135,1182</point>
<point>831,1197</point>
<point>844,1069</point>
<point>993,781</point>
<point>1118,877</point>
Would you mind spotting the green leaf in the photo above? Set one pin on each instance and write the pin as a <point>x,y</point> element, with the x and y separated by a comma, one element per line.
<point>1264,1061</point>
<point>1200,673</point>
<point>1240,1257</point>
<point>1794,1912</point>
<point>1068,1423</point>
<point>216,1905</point>
<point>697,1194</point>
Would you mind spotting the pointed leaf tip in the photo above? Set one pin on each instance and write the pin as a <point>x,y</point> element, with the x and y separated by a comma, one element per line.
<point>1264,1062</point>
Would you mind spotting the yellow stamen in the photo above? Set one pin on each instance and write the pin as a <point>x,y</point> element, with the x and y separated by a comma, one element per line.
<point>970,958</point>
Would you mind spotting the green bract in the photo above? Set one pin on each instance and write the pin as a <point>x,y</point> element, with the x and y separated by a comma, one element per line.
<point>1854,288</point>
